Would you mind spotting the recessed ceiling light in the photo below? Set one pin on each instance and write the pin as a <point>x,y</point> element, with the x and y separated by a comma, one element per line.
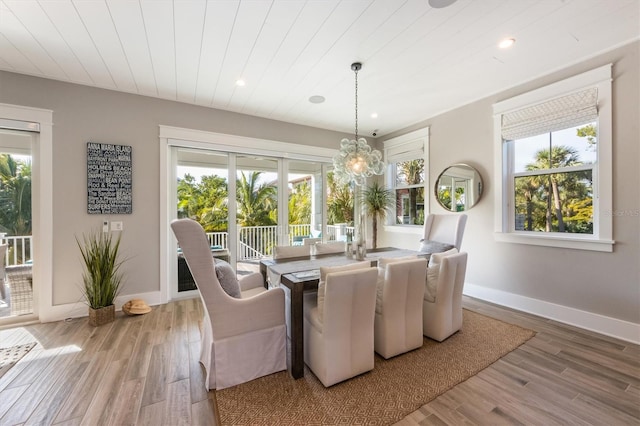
<point>240,82</point>
<point>439,4</point>
<point>506,43</point>
<point>316,99</point>
<point>374,115</point>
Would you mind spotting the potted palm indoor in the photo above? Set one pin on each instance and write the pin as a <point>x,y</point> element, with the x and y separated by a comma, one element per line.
<point>101,276</point>
<point>379,201</point>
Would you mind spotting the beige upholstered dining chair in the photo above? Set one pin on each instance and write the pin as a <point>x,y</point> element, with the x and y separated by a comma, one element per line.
<point>444,228</point>
<point>285,252</point>
<point>243,338</point>
<point>338,323</point>
<point>311,241</point>
<point>442,305</point>
<point>332,247</point>
<point>398,321</point>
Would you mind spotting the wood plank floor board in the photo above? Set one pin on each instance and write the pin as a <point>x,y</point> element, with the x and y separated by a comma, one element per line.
<point>615,398</point>
<point>28,360</point>
<point>178,408</point>
<point>126,373</point>
<point>152,415</point>
<point>22,409</point>
<point>517,402</point>
<point>84,390</point>
<point>71,422</point>
<point>477,414</point>
<point>197,374</point>
<point>53,401</point>
<point>600,376</point>
<point>38,363</point>
<point>103,404</point>
<point>508,402</point>
<point>179,338</point>
<point>532,374</point>
<point>141,356</point>
<point>8,397</point>
<point>129,340</point>
<point>441,409</point>
<point>155,387</point>
<point>608,414</point>
<point>203,412</point>
<point>128,403</point>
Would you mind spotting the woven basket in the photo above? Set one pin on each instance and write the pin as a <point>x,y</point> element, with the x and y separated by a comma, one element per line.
<point>102,316</point>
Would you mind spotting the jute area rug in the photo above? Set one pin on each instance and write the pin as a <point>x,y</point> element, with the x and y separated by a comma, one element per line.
<point>395,387</point>
<point>10,356</point>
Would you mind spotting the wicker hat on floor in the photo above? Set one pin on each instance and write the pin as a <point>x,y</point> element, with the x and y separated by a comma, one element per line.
<point>136,307</point>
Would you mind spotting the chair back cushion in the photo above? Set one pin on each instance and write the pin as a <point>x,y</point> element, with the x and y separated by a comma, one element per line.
<point>333,247</point>
<point>382,270</point>
<point>436,258</point>
<point>445,228</point>
<point>323,276</point>
<point>284,252</point>
<point>433,274</point>
<point>197,253</point>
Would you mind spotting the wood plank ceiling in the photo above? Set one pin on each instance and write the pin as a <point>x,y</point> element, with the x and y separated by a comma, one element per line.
<point>418,61</point>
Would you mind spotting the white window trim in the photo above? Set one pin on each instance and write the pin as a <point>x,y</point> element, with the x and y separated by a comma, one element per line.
<point>602,237</point>
<point>395,144</point>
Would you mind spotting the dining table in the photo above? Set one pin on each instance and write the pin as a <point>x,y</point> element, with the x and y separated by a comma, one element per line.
<point>302,274</point>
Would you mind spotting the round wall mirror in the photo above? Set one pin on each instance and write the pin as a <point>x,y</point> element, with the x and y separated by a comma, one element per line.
<point>458,188</point>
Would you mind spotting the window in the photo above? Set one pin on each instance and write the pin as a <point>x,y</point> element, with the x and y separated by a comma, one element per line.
<point>554,148</point>
<point>406,176</point>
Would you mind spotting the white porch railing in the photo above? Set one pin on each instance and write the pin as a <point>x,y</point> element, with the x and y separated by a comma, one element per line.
<point>19,250</point>
<point>256,242</point>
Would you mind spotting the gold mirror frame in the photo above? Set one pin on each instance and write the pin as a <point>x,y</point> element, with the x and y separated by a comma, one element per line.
<point>468,185</point>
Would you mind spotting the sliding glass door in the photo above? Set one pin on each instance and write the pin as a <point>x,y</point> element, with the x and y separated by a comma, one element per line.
<point>16,242</point>
<point>277,201</point>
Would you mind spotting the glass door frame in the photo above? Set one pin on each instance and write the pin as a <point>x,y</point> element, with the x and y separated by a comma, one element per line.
<point>172,138</point>
<point>39,121</point>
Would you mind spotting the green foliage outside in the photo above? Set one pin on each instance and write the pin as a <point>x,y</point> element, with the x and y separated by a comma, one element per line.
<point>15,196</point>
<point>339,201</point>
<point>444,195</point>
<point>556,202</point>
<point>207,202</point>
<point>412,173</point>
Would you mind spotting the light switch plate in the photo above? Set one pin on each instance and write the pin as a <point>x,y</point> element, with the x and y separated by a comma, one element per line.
<point>116,226</point>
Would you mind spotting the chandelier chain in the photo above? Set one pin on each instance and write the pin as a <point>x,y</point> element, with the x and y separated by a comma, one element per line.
<point>356,71</point>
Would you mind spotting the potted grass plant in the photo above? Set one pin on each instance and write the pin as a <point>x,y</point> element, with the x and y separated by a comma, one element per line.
<point>379,201</point>
<point>102,277</point>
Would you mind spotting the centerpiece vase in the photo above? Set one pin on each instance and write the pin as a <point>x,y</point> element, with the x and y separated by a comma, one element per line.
<point>360,227</point>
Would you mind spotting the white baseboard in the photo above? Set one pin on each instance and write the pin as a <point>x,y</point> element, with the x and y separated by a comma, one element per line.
<point>608,326</point>
<point>79,309</point>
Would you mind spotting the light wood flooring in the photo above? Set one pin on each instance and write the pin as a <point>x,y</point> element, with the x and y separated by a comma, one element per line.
<point>144,370</point>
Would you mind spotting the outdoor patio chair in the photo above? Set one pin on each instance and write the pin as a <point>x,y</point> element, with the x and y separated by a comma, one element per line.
<point>243,338</point>
<point>19,278</point>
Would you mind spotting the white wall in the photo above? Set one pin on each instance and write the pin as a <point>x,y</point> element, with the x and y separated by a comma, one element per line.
<point>606,284</point>
<point>82,114</point>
